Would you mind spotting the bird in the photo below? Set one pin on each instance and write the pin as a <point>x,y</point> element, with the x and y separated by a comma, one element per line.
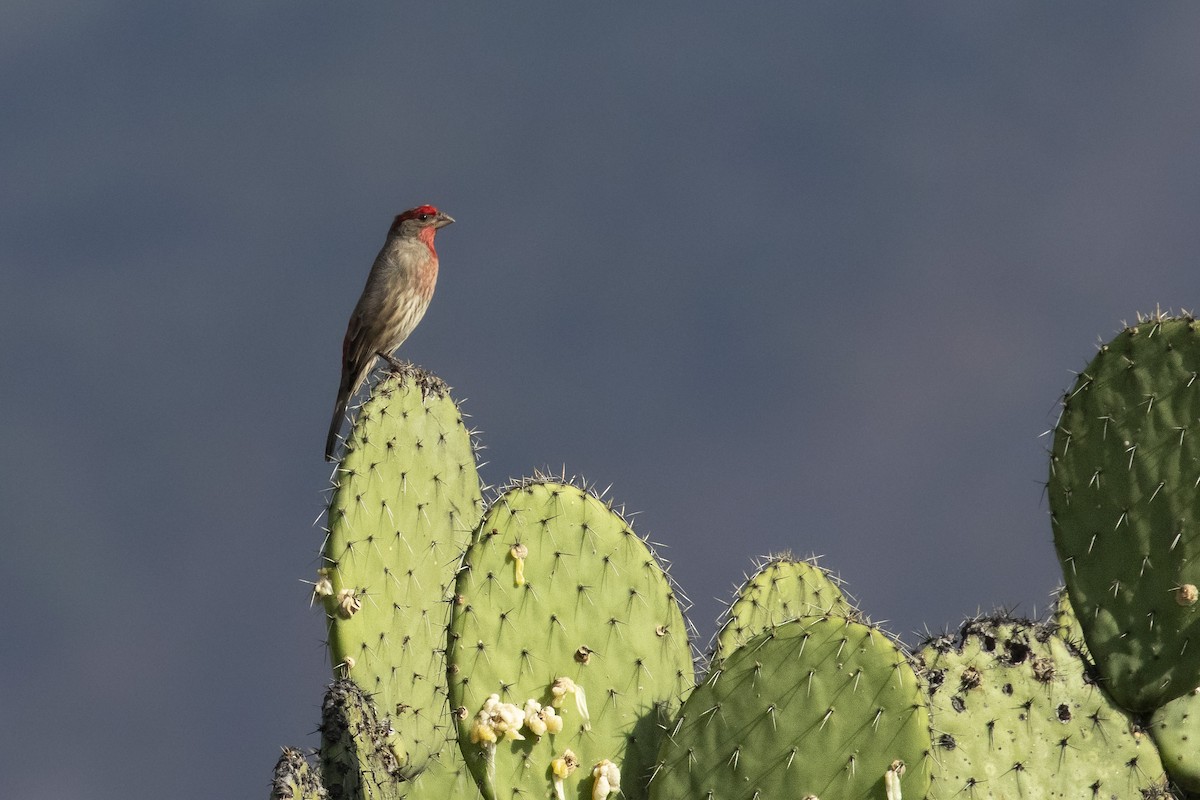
<point>399,288</point>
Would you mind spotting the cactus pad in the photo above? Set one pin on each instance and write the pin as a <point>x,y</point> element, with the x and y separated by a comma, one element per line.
<point>405,501</point>
<point>1176,730</point>
<point>1015,715</point>
<point>295,779</point>
<point>566,636</point>
<point>361,756</point>
<point>822,706</point>
<point>1125,508</point>
<point>781,589</point>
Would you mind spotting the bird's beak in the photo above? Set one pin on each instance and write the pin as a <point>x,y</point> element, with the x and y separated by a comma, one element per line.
<point>443,220</point>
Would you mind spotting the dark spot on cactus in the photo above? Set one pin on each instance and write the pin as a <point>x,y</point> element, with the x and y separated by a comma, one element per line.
<point>969,680</point>
<point>946,742</point>
<point>1043,669</point>
<point>1007,688</point>
<point>1063,713</point>
<point>583,655</point>
<point>987,642</point>
<point>1016,652</point>
<point>934,678</point>
<point>958,703</point>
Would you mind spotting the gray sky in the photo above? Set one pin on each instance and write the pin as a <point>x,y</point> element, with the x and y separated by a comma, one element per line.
<point>806,276</point>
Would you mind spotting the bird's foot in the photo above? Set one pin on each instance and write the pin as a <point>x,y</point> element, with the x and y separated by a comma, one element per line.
<point>396,364</point>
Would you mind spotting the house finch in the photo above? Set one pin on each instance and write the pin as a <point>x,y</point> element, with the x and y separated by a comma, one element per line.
<point>397,293</point>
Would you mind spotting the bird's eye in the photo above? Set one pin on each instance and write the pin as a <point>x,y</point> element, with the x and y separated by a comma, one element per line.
<point>424,218</point>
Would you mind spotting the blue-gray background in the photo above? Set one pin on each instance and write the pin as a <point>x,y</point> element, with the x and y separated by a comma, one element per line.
<point>805,276</point>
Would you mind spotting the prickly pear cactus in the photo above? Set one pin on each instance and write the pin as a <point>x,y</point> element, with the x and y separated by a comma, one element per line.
<point>406,499</point>
<point>1125,509</point>
<point>1176,730</point>
<point>782,588</point>
<point>1017,716</point>
<point>568,649</point>
<point>819,707</point>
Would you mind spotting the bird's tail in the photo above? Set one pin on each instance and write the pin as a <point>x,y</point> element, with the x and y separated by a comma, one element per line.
<point>335,425</point>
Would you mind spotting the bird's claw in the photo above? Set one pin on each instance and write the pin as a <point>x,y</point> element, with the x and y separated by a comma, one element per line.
<point>396,364</point>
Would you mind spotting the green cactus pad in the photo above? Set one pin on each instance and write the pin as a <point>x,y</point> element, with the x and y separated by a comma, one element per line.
<point>1125,509</point>
<point>406,499</point>
<point>782,588</point>
<point>295,779</point>
<point>1016,715</point>
<point>361,756</point>
<point>557,585</point>
<point>821,706</point>
<point>1176,730</point>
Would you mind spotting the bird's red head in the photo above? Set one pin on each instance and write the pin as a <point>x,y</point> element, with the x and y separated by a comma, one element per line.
<point>416,219</point>
<point>418,213</point>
